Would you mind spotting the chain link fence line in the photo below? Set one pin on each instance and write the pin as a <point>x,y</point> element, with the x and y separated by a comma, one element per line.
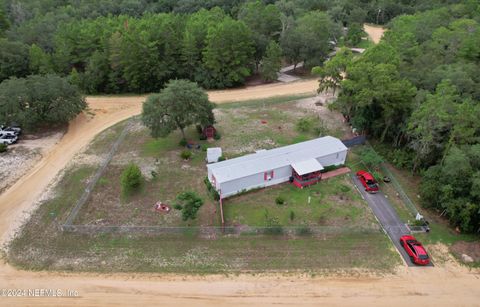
<point>222,230</point>
<point>98,174</point>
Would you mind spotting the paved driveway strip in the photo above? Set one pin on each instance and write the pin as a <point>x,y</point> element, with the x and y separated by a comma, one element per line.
<point>388,218</point>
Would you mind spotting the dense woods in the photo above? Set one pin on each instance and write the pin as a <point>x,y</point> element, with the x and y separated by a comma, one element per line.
<point>418,92</point>
<point>111,46</point>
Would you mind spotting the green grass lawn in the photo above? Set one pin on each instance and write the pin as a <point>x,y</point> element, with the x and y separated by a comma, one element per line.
<point>333,202</point>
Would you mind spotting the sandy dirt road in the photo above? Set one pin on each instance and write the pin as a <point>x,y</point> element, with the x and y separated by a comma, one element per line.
<point>441,286</point>
<point>375,32</point>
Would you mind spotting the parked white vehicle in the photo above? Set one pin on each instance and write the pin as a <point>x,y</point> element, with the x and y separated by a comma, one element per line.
<point>8,139</point>
<point>14,130</point>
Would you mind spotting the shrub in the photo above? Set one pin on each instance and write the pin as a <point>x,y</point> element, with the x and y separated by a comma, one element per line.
<point>370,157</point>
<point>3,147</point>
<point>186,154</point>
<point>331,168</point>
<point>183,142</point>
<point>202,137</point>
<point>211,189</point>
<point>221,158</point>
<point>177,206</point>
<point>304,124</point>
<point>131,178</point>
<point>292,215</point>
<point>217,136</point>
<point>199,129</point>
<point>280,200</point>
<point>204,147</point>
<point>190,203</point>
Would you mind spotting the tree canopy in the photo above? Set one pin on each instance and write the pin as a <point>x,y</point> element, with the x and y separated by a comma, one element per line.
<point>182,103</point>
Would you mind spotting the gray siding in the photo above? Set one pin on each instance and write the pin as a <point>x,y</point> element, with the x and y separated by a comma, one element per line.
<point>255,181</point>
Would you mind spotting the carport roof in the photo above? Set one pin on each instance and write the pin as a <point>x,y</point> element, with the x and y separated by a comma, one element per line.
<point>307,166</point>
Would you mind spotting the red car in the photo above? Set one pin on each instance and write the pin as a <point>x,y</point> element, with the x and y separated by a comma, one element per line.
<point>368,181</point>
<point>415,250</point>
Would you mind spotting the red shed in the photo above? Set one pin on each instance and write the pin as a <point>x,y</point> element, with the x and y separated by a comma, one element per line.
<point>209,131</point>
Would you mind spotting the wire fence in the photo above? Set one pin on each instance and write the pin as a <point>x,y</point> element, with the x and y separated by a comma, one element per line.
<point>99,173</point>
<point>210,231</point>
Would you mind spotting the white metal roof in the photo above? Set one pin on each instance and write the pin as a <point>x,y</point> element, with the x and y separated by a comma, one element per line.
<point>213,154</point>
<point>274,158</point>
<point>307,166</point>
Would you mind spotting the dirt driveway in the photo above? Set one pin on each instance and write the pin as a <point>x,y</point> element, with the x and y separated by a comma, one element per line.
<point>375,32</point>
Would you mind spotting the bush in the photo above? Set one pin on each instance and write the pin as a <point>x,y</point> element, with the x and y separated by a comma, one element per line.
<point>3,147</point>
<point>217,136</point>
<point>211,189</point>
<point>190,203</point>
<point>183,142</point>
<point>177,207</point>
<point>280,200</point>
<point>292,215</point>
<point>202,137</point>
<point>186,154</point>
<point>199,129</point>
<point>370,157</point>
<point>204,147</point>
<point>131,178</point>
<point>304,124</point>
<point>331,168</point>
<point>221,158</point>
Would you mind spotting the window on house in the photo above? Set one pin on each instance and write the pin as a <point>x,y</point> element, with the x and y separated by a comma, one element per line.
<point>267,176</point>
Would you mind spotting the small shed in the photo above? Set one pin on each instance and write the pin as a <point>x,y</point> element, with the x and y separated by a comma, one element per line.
<point>209,131</point>
<point>299,163</point>
<point>213,154</point>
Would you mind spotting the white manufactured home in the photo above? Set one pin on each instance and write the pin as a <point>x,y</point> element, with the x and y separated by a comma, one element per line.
<point>299,163</point>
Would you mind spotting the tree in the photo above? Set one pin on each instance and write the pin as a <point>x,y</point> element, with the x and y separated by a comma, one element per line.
<point>334,71</point>
<point>182,103</point>
<point>190,203</point>
<point>39,101</point>
<point>131,178</point>
<point>355,34</point>
<point>40,61</point>
<point>13,59</point>
<point>228,53</point>
<point>271,62</point>
<point>265,23</point>
<point>315,31</point>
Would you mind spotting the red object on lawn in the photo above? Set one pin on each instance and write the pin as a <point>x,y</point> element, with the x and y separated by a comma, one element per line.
<point>415,250</point>
<point>159,206</point>
<point>209,131</point>
<point>263,121</point>
<point>368,181</point>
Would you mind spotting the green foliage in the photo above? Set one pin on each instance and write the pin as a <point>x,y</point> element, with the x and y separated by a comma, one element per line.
<point>181,104</point>
<point>217,136</point>
<point>3,147</point>
<point>211,189</point>
<point>453,186</point>
<point>177,207</point>
<point>190,203</point>
<point>271,62</point>
<point>304,124</point>
<point>279,200</point>
<point>332,73</point>
<point>39,100</point>
<point>14,59</point>
<point>292,215</point>
<point>370,157</point>
<point>272,225</point>
<point>131,179</point>
<point>355,34</point>
<point>183,142</point>
<point>186,154</point>
<point>229,49</point>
